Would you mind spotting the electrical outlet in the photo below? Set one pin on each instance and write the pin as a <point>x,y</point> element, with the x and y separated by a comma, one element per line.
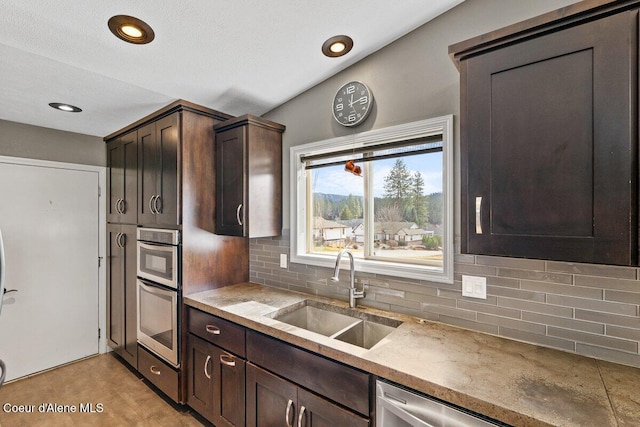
<point>283,260</point>
<point>474,287</point>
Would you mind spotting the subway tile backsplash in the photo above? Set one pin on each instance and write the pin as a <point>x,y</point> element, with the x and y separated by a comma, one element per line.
<point>593,310</point>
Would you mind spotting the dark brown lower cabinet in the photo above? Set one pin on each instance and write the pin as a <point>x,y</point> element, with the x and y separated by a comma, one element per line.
<point>216,383</point>
<point>122,306</point>
<point>272,400</point>
<point>159,373</point>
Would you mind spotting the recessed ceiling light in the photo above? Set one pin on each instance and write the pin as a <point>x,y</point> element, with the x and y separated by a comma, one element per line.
<point>65,107</point>
<point>130,29</point>
<point>337,46</point>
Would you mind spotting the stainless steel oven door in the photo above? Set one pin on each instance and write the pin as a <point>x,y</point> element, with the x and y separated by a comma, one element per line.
<point>158,320</point>
<point>158,263</point>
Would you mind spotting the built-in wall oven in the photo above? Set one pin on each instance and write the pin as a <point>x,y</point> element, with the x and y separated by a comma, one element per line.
<point>159,292</point>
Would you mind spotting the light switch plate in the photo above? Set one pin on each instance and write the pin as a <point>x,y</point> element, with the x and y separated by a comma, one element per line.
<point>474,287</point>
<point>283,260</point>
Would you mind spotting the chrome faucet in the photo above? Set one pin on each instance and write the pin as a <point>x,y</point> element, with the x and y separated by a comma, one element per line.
<point>354,294</point>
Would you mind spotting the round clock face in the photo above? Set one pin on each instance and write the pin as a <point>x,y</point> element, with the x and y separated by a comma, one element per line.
<point>352,104</point>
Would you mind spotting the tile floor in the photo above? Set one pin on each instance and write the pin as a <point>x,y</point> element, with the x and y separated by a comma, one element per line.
<point>126,399</point>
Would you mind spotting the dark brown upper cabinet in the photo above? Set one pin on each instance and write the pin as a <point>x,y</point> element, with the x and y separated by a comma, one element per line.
<point>158,172</point>
<point>249,177</point>
<point>549,137</point>
<point>122,179</point>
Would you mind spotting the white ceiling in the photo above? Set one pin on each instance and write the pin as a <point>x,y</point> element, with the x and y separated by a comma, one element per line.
<point>235,56</point>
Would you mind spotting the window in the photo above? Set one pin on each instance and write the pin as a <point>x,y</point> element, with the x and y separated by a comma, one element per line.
<point>386,195</point>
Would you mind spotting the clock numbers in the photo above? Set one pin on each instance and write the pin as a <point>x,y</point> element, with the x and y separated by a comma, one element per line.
<point>351,89</point>
<point>339,107</point>
<point>364,100</point>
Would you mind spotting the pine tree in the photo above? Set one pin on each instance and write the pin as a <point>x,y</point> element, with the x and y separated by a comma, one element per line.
<point>355,206</point>
<point>420,212</point>
<point>397,184</point>
<point>434,202</point>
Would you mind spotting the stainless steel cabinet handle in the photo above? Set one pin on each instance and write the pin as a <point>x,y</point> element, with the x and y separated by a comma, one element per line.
<point>206,366</point>
<point>286,416</point>
<point>478,216</point>
<point>117,240</point>
<point>154,370</point>
<point>238,214</point>
<point>122,206</point>
<point>121,240</point>
<point>301,416</point>
<point>227,360</point>
<point>151,204</point>
<point>155,205</point>
<point>213,329</point>
<point>116,206</point>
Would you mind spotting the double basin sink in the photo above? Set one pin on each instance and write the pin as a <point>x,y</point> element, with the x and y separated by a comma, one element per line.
<point>348,325</point>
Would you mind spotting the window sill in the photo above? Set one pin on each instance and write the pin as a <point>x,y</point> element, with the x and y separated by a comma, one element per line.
<point>392,269</point>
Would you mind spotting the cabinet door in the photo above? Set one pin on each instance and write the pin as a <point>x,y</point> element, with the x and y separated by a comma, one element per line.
<point>229,386</point>
<point>115,179</point>
<point>158,172</point>
<point>314,411</point>
<point>200,382</point>
<point>130,339</point>
<point>121,292</point>
<point>147,172</point>
<point>167,204</point>
<point>270,399</point>
<point>115,289</point>
<point>230,184</point>
<point>548,146</point>
<point>129,206</point>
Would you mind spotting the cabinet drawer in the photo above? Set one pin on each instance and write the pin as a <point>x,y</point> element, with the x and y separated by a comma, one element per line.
<point>220,332</point>
<point>159,373</point>
<point>340,383</point>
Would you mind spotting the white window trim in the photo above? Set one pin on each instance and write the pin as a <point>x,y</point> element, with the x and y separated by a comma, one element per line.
<point>298,193</point>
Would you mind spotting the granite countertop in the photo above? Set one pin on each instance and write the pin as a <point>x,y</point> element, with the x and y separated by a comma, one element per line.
<point>513,382</point>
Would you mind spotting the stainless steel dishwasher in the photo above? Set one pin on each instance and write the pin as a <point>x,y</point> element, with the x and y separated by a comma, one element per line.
<point>398,407</point>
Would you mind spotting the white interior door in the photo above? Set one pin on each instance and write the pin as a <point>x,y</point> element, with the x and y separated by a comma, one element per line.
<point>49,219</point>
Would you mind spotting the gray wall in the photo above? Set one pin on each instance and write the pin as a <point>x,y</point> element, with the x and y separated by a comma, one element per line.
<point>34,142</point>
<point>590,310</point>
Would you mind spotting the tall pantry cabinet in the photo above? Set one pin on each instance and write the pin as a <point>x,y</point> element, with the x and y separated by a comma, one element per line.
<point>169,184</point>
<point>122,193</point>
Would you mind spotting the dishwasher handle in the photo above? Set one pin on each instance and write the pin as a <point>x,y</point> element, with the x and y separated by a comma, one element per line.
<point>394,406</point>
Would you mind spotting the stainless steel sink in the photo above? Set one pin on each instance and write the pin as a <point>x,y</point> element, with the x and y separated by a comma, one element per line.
<point>316,320</point>
<point>365,334</point>
<point>348,325</point>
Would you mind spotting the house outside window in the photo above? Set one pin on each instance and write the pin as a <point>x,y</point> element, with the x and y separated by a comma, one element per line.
<point>386,195</point>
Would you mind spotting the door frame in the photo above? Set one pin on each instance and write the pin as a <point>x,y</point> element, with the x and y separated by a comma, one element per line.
<point>102,229</point>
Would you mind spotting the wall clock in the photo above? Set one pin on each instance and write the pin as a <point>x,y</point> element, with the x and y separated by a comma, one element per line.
<point>352,104</point>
